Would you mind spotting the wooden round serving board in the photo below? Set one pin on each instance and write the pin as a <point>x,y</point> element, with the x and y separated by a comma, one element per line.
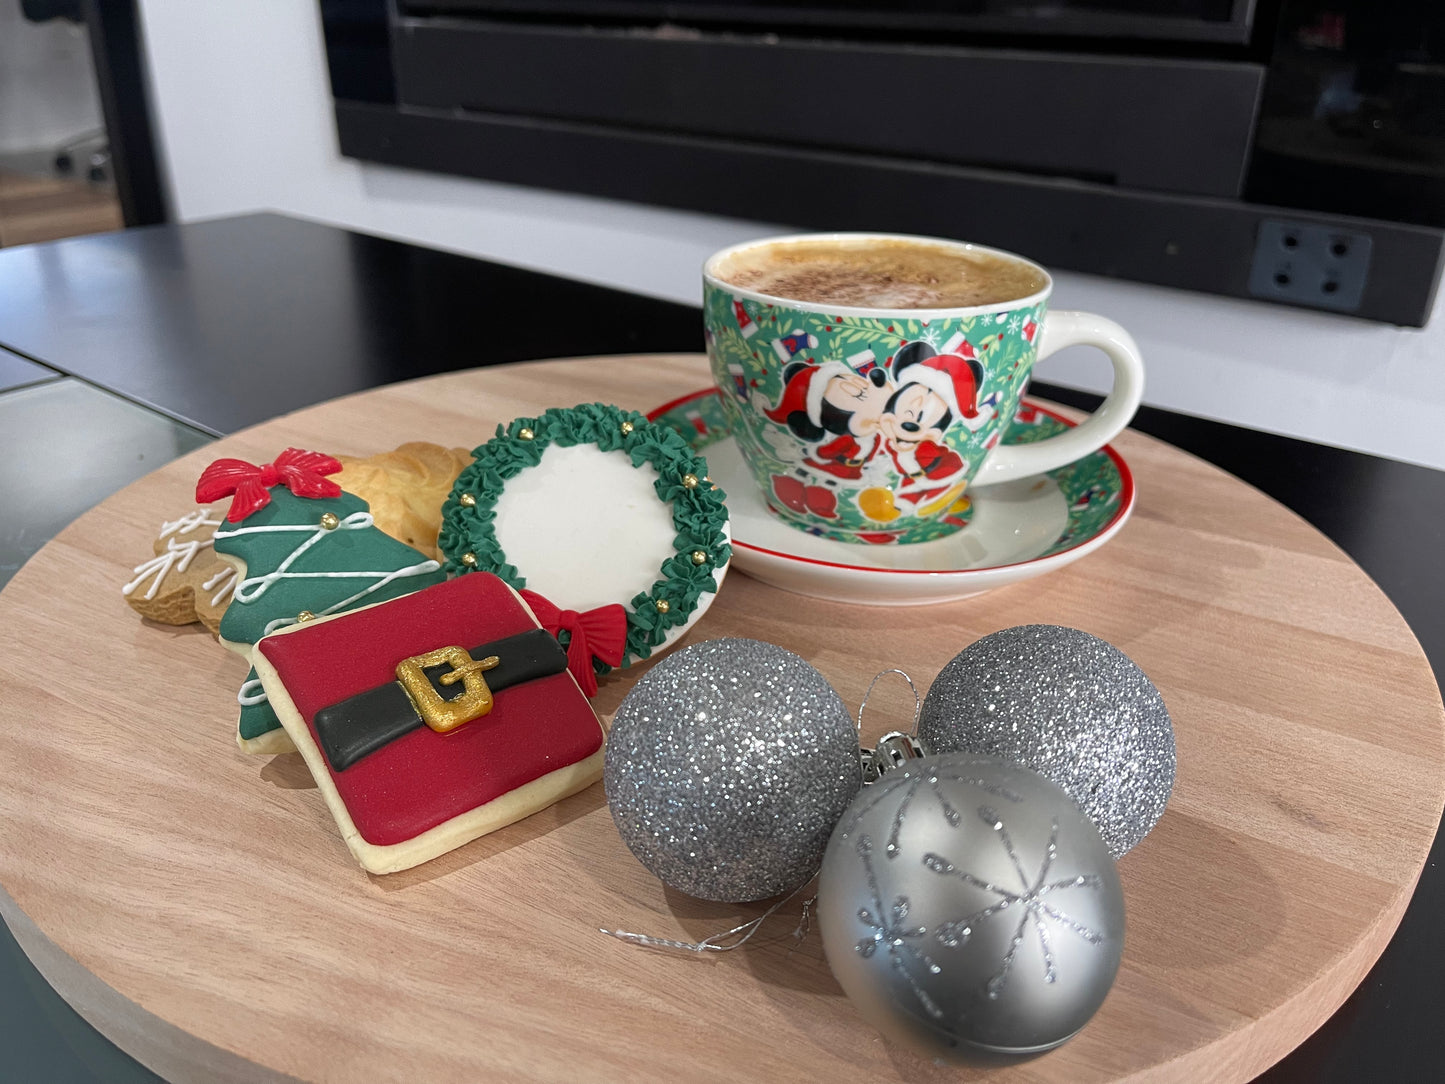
<point>199,907</point>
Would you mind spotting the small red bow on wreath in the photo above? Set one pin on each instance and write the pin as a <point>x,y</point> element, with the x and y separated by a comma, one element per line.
<point>249,486</point>
<point>599,634</point>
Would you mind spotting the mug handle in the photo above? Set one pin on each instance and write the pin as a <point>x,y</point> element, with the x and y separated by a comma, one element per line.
<point>1061,329</point>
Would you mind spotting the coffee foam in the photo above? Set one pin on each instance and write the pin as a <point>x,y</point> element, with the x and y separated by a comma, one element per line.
<point>883,273</point>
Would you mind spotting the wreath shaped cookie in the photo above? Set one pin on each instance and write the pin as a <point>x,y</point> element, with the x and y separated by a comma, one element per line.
<point>557,506</point>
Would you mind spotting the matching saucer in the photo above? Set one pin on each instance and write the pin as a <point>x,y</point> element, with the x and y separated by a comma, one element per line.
<point>1015,531</point>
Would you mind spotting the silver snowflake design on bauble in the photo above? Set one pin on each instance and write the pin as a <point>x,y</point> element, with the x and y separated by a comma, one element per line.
<point>1030,900</point>
<point>890,933</point>
<point>915,781</point>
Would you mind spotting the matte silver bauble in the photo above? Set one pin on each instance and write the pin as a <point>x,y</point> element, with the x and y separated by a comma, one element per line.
<point>727,766</point>
<point>1072,707</point>
<point>970,910</point>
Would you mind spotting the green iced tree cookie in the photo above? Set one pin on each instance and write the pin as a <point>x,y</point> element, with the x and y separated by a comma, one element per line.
<point>309,550</point>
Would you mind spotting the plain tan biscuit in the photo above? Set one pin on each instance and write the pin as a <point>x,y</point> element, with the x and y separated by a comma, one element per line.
<point>405,489</point>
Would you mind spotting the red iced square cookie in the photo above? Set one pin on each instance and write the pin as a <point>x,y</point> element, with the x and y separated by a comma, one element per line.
<point>431,719</point>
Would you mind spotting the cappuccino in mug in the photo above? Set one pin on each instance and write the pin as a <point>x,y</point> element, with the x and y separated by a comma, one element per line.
<point>880,273</point>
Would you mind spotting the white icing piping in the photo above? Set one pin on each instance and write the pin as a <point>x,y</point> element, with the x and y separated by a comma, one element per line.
<point>253,587</point>
<point>188,523</point>
<point>178,555</point>
<point>251,699</point>
<point>225,581</point>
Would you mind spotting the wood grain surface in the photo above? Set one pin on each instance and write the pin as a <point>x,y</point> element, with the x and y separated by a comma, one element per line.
<point>41,208</point>
<point>199,906</point>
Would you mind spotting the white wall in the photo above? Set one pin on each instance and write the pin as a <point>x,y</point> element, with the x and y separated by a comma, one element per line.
<point>244,114</point>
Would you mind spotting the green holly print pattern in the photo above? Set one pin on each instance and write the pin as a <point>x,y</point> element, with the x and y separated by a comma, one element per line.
<point>858,427</point>
<point>1092,486</point>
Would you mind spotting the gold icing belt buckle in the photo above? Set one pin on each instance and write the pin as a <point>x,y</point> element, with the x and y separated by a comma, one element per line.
<point>440,714</point>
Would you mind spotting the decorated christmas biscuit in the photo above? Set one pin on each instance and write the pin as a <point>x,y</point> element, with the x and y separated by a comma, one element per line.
<point>301,548</point>
<point>432,719</point>
<point>184,581</point>
<point>609,525</point>
<point>404,489</point>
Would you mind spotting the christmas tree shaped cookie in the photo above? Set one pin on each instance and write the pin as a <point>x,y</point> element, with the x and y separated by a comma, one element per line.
<point>302,548</point>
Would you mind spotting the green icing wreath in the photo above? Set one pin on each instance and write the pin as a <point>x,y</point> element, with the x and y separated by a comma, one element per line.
<point>468,536</point>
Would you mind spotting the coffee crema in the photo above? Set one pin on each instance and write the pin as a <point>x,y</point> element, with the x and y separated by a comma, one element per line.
<point>879,273</point>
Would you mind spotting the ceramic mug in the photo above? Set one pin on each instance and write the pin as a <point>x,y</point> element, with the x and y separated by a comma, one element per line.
<point>868,424</point>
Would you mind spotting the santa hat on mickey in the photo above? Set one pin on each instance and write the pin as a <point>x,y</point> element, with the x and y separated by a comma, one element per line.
<point>803,391</point>
<point>952,377</point>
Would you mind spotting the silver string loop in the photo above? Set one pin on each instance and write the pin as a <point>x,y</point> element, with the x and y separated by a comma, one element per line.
<point>917,700</point>
<point>715,943</point>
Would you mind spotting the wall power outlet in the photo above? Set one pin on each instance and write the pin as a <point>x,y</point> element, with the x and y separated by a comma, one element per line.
<point>1308,264</point>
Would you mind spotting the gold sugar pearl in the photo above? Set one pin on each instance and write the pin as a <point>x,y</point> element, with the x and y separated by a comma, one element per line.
<point>699,557</point>
<point>525,434</point>
<point>468,500</point>
<point>689,481</point>
<point>663,606</point>
<point>626,428</point>
<point>329,521</point>
<point>469,559</point>
<point>305,615</point>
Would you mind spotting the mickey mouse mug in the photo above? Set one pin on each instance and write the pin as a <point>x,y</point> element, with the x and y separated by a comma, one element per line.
<point>869,378</point>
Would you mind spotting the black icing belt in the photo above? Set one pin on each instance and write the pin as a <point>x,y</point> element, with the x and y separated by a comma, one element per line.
<point>358,726</point>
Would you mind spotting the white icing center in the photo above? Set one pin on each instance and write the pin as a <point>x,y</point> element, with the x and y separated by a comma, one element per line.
<point>585,527</point>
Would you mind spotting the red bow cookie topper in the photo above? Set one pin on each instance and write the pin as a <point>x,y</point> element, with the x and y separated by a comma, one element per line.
<point>249,486</point>
<point>599,634</point>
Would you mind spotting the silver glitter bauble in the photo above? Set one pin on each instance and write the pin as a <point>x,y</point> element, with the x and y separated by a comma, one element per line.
<point>727,766</point>
<point>970,910</point>
<point>1072,707</point>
